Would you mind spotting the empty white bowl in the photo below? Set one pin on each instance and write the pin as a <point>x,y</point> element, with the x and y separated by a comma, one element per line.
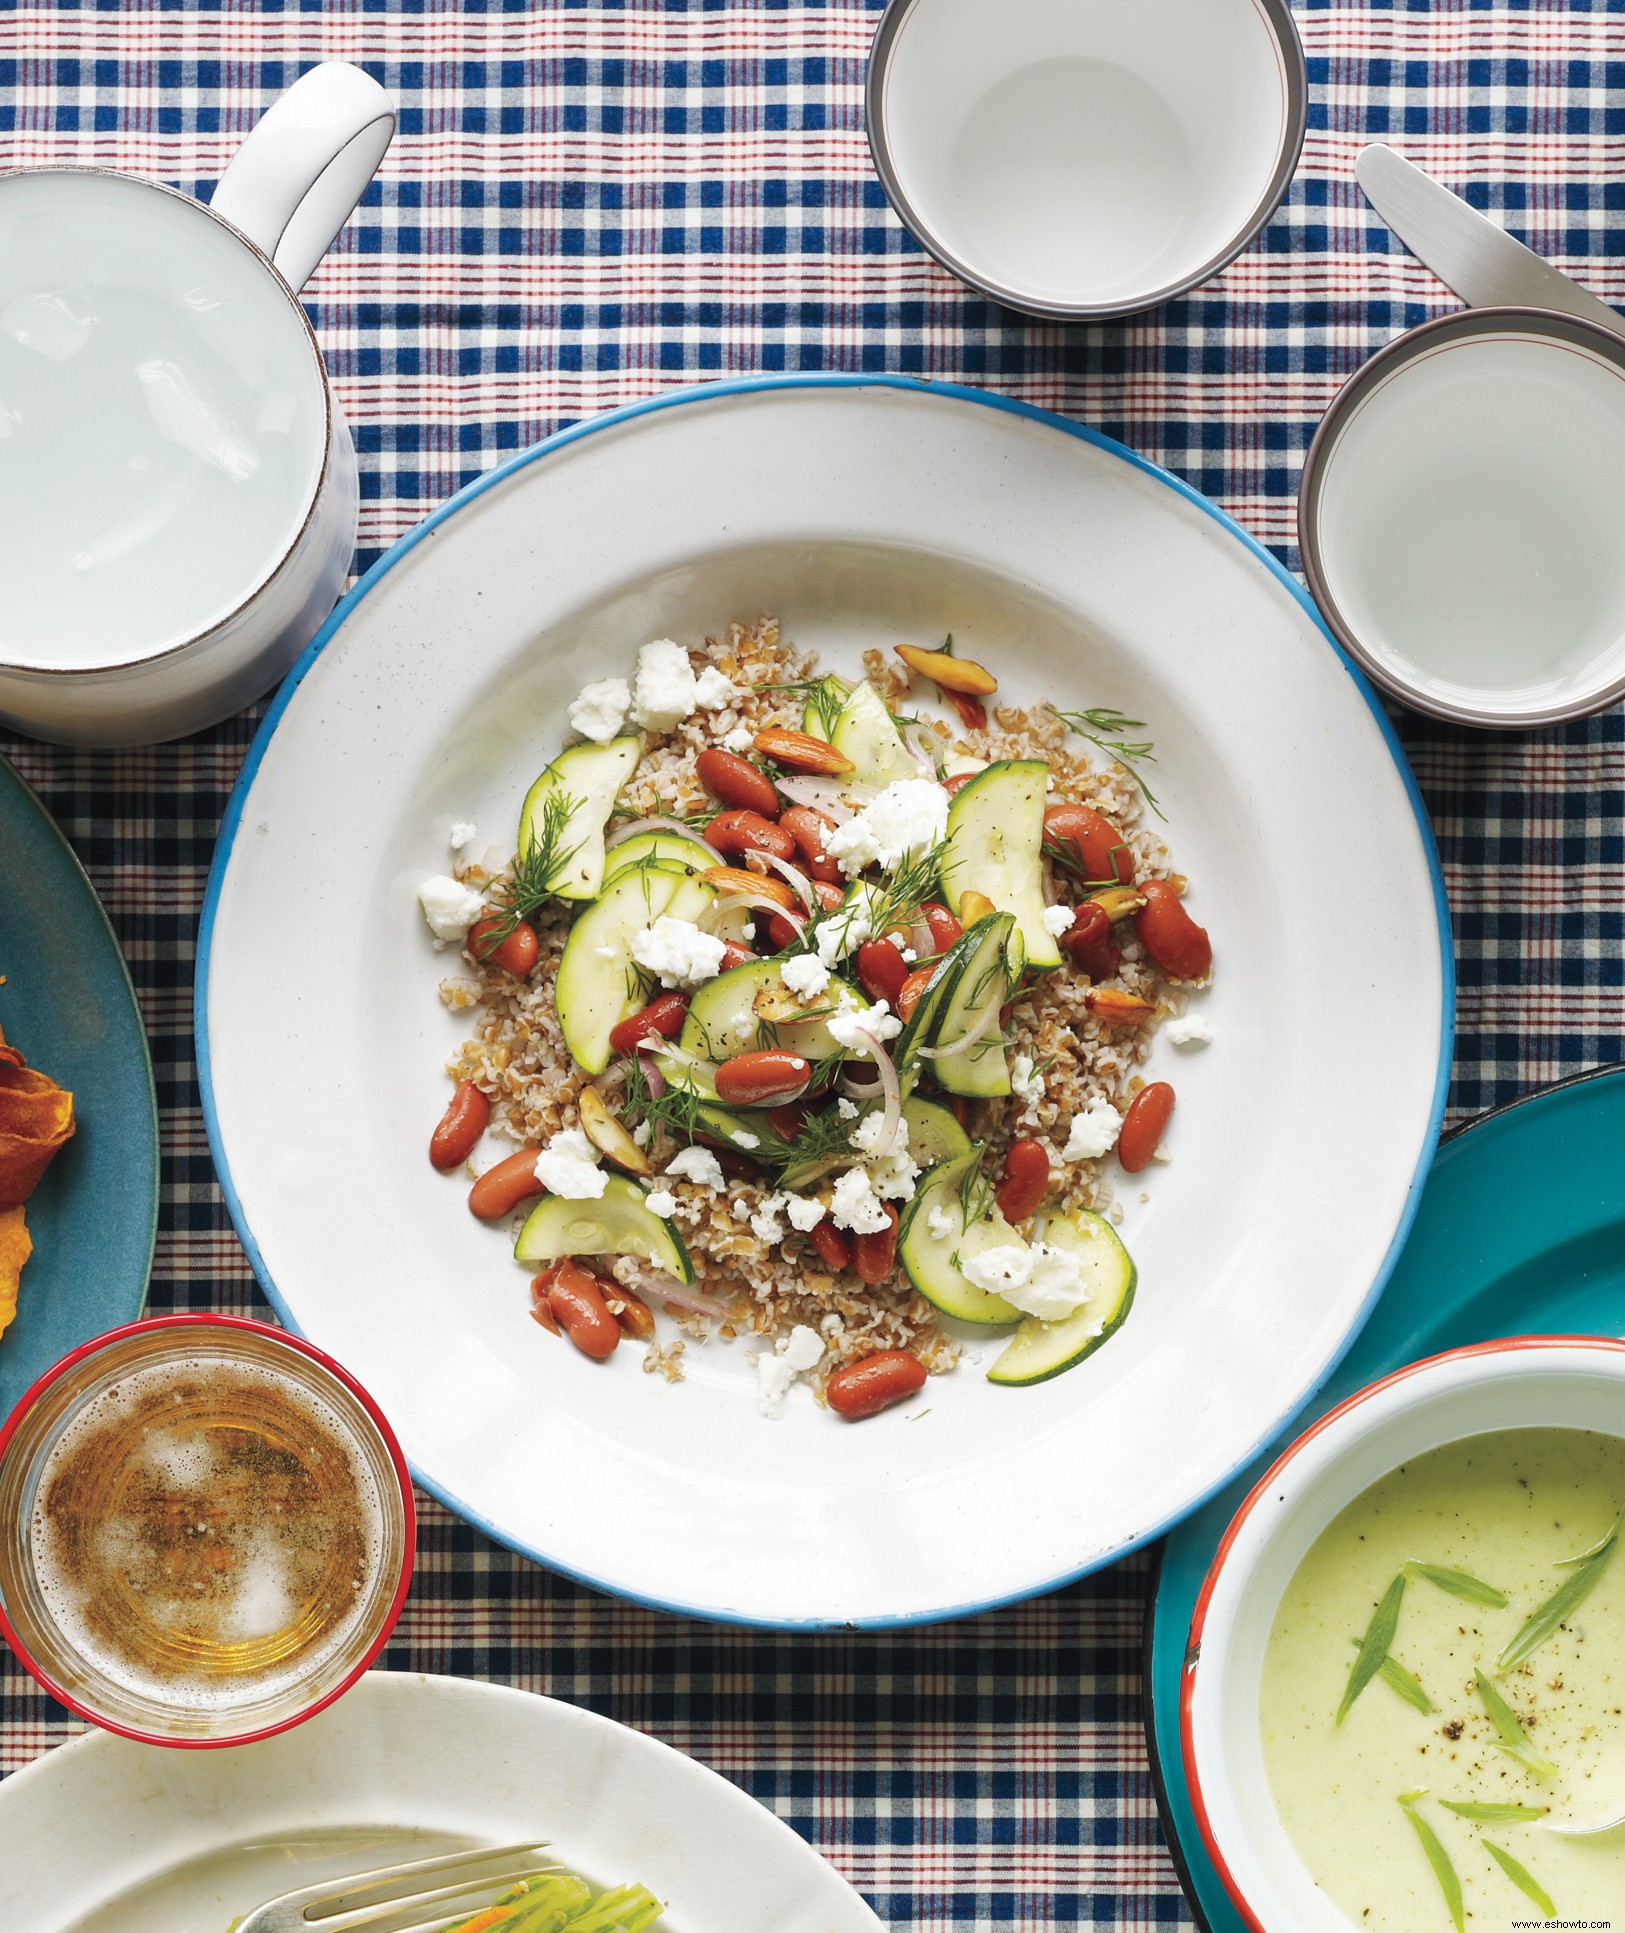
<point>1460,517</point>
<point>1526,1382</point>
<point>1085,158</point>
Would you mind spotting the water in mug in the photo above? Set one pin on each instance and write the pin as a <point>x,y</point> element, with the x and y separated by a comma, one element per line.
<point>1474,519</point>
<point>161,420</point>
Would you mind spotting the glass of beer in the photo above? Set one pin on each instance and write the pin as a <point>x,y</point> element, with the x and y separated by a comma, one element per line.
<point>206,1530</point>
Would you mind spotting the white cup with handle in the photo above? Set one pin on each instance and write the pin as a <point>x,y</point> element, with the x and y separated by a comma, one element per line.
<point>178,493</point>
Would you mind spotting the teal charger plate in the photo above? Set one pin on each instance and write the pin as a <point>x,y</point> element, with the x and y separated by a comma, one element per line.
<point>67,1004</point>
<point>1521,1231</point>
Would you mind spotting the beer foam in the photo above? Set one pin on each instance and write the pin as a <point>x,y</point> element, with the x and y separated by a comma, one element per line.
<point>180,1575</point>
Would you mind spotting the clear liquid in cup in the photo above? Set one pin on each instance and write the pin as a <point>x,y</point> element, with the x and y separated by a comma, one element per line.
<point>162,420</point>
<point>205,1533</point>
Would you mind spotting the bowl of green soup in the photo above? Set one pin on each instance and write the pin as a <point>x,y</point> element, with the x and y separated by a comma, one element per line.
<point>1403,1702</point>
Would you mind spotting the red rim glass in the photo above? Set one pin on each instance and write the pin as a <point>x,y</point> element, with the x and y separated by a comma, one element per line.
<point>265,1335</point>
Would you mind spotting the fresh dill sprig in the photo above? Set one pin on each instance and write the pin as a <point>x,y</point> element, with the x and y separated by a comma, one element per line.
<point>975,1193</point>
<point>1062,853</point>
<point>1105,727</point>
<point>537,868</point>
<point>897,900</point>
<point>677,1110</point>
<point>826,695</point>
<point>823,1137</point>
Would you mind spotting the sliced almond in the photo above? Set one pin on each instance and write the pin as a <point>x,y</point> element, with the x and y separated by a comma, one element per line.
<point>1117,902</point>
<point>777,1004</point>
<point>963,675</point>
<point>608,1136</point>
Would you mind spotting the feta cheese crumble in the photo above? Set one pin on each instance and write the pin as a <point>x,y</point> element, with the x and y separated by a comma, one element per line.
<point>666,690</point>
<point>462,834</point>
<point>600,711</point>
<point>878,1021</point>
<point>847,1110</point>
<point>842,933</point>
<point>449,907</point>
<point>1189,1030</point>
<point>661,1202</point>
<point>568,1167</point>
<point>739,740</point>
<point>777,1369</point>
<point>1026,1083</point>
<point>855,1205</point>
<point>1094,1132</point>
<point>940,1223</point>
<point>1038,1280</point>
<point>713,689</point>
<point>805,1212</point>
<point>678,951</point>
<point>1057,920</point>
<point>909,816</point>
<point>805,974</point>
<point>696,1164</point>
<point>765,1224</point>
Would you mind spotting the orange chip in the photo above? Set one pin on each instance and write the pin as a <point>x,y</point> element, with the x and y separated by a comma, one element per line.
<point>36,1117</point>
<point>15,1249</point>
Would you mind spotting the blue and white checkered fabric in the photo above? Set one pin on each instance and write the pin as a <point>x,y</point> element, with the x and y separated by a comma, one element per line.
<point>589,202</point>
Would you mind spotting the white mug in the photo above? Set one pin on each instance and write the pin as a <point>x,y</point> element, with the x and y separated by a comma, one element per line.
<point>178,493</point>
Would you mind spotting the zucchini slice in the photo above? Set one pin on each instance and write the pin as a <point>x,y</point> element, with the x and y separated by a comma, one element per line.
<point>934,1136</point>
<point>722,1022</point>
<point>589,776</point>
<point>996,848</point>
<point>619,1222</point>
<point>666,847</point>
<point>867,733</point>
<point>598,984</point>
<point>932,1260</point>
<point>746,1128</point>
<point>1039,1350</point>
<point>980,989</point>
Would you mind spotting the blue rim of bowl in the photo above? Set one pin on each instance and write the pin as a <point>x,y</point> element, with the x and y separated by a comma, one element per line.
<point>1295,80</point>
<point>684,398</point>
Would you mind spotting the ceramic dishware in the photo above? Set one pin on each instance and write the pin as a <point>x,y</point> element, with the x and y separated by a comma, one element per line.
<point>1526,1382</point>
<point>1085,577</point>
<point>1080,159</point>
<point>1459,517</point>
<point>187,1694</point>
<point>1558,1264</point>
<point>179,481</point>
<point>106,1836</point>
<point>67,1005</point>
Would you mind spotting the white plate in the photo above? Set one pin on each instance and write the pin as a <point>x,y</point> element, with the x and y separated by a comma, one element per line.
<point>862,511</point>
<point>103,1836</point>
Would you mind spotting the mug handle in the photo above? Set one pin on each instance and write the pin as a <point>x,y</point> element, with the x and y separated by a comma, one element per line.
<point>305,164</point>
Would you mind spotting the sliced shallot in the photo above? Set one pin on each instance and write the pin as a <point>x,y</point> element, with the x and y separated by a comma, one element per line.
<point>635,826</point>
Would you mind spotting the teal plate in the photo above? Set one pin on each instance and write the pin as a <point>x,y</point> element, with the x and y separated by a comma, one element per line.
<point>68,1006</point>
<point>1521,1231</point>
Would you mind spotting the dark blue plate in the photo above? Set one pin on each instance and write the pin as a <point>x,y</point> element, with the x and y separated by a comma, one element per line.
<point>68,1006</point>
<point>1521,1231</point>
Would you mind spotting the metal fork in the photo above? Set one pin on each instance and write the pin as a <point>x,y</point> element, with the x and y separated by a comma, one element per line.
<point>413,1897</point>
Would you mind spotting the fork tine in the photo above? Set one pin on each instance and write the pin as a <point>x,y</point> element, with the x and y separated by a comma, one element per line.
<point>396,1914</point>
<point>386,1884</point>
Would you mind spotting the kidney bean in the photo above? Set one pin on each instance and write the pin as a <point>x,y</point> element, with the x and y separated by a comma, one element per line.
<point>762,1078</point>
<point>1180,947</point>
<point>1144,1125</point>
<point>802,752</point>
<point>634,1316</point>
<point>461,1126</point>
<point>664,1015</point>
<point>831,1245</point>
<point>540,1310</point>
<point>829,897</point>
<point>908,997</point>
<point>1092,846</point>
<point>875,1256</point>
<point>940,924</point>
<point>789,1119</point>
<point>959,1108</point>
<point>734,1162</point>
<point>958,782</point>
<point>501,1189</point>
<point>809,829</point>
<point>867,1387</point>
<point>736,782</point>
<point>733,954</point>
<point>1088,943</point>
<point>516,954</point>
<point>1025,1181</point>
<point>577,1301</point>
<point>882,970</point>
<point>780,933</point>
<point>735,834</point>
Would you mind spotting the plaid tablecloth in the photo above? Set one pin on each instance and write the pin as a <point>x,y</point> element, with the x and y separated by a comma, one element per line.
<point>590,201</point>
